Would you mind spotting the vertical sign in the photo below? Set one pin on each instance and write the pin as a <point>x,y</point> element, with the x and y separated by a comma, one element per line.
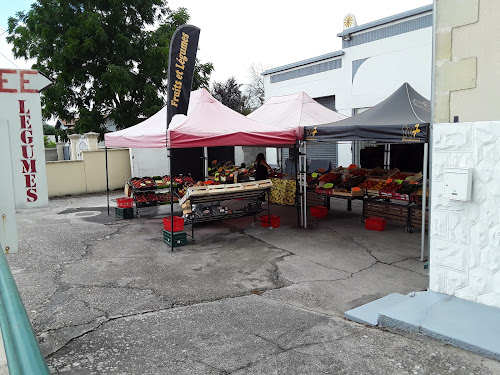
<point>22,153</point>
<point>183,48</point>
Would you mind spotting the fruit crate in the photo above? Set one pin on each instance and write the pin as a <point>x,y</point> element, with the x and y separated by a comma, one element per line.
<point>375,223</point>
<point>178,224</point>
<point>319,211</point>
<point>141,201</point>
<point>138,184</point>
<point>125,202</point>
<point>275,221</point>
<point>124,213</point>
<point>392,212</point>
<point>180,238</point>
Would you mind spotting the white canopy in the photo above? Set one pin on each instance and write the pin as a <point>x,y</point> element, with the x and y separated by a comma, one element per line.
<point>294,111</point>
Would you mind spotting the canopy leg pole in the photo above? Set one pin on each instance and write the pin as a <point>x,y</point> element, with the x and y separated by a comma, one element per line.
<point>300,186</point>
<point>304,177</point>
<point>107,176</point>
<point>424,200</point>
<point>205,163</point>
<point>297,187</point>
<point>171,199</point>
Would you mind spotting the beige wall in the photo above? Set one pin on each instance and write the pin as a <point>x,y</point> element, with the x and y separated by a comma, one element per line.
<point>467,60</point>
<point>88,175</point>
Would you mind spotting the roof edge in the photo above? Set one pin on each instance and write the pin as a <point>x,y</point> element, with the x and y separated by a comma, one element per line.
<point>304,62</point>
<point>382,21</point>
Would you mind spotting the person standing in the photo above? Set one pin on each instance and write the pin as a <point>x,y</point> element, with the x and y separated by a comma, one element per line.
<point>261,167</point>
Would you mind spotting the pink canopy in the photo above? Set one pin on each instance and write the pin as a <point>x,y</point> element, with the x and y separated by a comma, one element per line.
<point>211,123</point>
<point>208,123</point>
<point>294,111</point>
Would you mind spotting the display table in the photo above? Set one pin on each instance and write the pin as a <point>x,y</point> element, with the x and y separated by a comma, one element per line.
<point>208,198</point>
<point>399,212</point>
<point>347,196</point>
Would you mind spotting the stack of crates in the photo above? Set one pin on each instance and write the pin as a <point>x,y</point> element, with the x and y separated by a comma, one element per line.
<point>125,209</point>
<point>179,237</point>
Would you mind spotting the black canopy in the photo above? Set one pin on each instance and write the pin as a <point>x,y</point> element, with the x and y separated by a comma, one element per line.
<point>401,118</point>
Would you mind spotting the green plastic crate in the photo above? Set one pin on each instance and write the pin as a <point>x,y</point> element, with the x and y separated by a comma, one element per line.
<point>124,213</point>
<point>180,238</point>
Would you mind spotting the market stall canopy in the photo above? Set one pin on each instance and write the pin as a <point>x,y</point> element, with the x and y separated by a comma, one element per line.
<point>211,124</point>
<point>208,123</point>
<point>294,111</point>
<point>401,118</point>
<point>151,133</point>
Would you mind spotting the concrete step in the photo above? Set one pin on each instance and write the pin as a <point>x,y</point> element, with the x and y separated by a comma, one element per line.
<point>368,314</point>
<point>468,325</point>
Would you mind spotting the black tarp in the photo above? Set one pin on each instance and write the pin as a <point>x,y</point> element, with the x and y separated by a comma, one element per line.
<point>401,118</point>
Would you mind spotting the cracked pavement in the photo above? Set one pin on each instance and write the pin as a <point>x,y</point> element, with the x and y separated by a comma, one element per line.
<point>106,296</point>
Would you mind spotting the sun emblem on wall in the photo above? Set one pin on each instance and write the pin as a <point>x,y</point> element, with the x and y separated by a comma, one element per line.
<point>349,21</point>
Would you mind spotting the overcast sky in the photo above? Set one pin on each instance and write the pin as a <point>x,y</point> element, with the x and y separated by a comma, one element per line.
<point>236,34</point>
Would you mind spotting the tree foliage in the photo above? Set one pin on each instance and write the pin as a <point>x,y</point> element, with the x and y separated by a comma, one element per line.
<point>255,89</point>
<point>229,93</point>
<point>49,129</point>
<point>108,58</point>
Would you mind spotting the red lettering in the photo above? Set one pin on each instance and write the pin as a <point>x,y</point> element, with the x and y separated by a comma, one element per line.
<point>23,81</point>
<point>27,139</point>
<point>4,80</point>
<point>21,106</point>
<point>24,149</point>
<point>29,166</point>
<point>25,121</point>
<point>30,180</point>
<point>32,197</point>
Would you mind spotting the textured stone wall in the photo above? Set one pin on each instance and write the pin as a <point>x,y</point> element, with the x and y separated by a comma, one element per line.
<point>465,236</point>
<point>466,60</point>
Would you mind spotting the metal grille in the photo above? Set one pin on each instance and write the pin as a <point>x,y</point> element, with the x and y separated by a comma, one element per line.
<point>327,101</point>
<point>388,31</point>
<point>308,70</point>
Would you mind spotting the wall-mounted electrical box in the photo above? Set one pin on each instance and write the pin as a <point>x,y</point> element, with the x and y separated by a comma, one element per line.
<point>458,183</point>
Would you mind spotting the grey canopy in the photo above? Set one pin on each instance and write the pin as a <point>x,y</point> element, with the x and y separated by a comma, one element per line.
<point>401,118</point>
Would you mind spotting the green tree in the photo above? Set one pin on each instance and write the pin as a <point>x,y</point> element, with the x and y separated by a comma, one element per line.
<point>229,93</point>
<point>49,129</point>
<point>107,59</point>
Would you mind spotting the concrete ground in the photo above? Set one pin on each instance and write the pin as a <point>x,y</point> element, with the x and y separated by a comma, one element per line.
<point>106,296</point>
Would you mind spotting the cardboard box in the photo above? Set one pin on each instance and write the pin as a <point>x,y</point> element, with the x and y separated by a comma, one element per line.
<point>186,207</point>
<point>128,190</point>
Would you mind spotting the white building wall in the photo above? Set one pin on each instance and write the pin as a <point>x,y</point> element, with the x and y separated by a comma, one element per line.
<point>390,62</point>
<point>465,236</point>
<point>149,162</point>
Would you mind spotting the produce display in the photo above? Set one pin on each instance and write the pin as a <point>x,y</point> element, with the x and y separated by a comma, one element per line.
<point>227,172</point>
<point>164,198</point>
<point>149,182</point>
<point>137,183</point>
<point>283,192</point>
<point>353,181</point>
<point>145,189</point>
<point>391,187</point>
<point>401,176</point>
<point>330,177</point>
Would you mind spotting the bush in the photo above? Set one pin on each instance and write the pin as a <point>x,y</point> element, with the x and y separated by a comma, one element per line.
<point>48,143</point>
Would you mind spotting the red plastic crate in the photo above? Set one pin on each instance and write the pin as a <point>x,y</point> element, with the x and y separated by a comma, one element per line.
<point>125,202</point>
<point>275,221</point>
<point>178,224</point>
<point>375,223</point>
<point>319,211</point>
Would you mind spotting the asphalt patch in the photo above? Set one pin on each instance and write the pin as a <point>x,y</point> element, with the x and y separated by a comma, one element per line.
<point>93,214</point>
